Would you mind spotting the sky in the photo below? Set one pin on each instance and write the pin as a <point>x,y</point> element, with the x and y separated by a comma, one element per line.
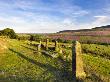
<point>49,16</point>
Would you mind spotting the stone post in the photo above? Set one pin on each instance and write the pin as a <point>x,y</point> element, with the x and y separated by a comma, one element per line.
<point>47,41</point>
<point>56,46</point>
<point>60,50</point>
<point>40,42</point>
<point>39,46</point>
<point>77,62</point>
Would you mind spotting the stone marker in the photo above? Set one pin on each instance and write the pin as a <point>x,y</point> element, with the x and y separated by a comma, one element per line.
<point>47,41</point>
<point>39,47</point>
<point>60,51</point>
<point>40,42</point>
<point>56,46</point>
<point>77,62</point>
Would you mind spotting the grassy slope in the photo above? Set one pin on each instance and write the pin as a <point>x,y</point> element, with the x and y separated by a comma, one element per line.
<point>21,63</point>
<point>97,68</point>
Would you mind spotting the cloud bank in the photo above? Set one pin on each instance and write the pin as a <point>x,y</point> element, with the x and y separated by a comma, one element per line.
<point>47,16</point>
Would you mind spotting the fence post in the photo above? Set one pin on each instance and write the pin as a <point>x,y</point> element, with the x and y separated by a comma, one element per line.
<point>77,62</point>
<point>47,41</point>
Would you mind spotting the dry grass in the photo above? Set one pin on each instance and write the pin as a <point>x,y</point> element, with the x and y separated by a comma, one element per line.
<point>3,45</point>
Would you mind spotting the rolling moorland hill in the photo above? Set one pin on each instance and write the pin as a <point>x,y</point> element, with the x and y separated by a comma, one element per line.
<point>97,31</point>
<point>97,34</point>
<point>102,28</point>
<point>23,60</point>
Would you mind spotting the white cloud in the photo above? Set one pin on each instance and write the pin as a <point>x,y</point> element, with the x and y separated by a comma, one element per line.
<point>37,16</point>
<point>27,16</point>
<point>39,25</point>
<point>100,20</point>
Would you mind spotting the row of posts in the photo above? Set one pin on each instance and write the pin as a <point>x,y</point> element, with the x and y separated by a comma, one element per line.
<point>47,45</point>
<point>77,61</point>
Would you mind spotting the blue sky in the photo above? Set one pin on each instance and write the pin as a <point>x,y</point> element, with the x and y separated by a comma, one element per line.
<point>46,16</point>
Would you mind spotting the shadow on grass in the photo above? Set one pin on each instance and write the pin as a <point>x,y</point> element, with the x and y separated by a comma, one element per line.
<point>29,48</point>
<point>46,54</point>
<point>60,74</point>
<point>94,78</point>
<point>92,75</point>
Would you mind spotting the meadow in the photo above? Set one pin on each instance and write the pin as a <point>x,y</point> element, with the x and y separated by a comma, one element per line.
<point>21,62</point>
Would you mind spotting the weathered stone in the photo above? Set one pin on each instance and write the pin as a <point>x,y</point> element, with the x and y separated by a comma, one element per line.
<point>47,42</point>
<point>77,62</point>
<point>39,47</point>
<point>56,46</point>
<point>40,42</point>
<point>60,51</point>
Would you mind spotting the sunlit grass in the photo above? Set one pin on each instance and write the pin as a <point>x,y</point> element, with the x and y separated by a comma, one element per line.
<point>21,63</point>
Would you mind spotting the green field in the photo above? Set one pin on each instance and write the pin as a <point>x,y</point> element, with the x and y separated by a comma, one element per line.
<point>23,63</point>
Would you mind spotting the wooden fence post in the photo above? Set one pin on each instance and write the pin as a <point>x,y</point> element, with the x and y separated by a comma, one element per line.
<point>77,62</point>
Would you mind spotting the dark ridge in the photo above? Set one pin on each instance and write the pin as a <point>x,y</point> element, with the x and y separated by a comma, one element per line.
<point>102,28</point>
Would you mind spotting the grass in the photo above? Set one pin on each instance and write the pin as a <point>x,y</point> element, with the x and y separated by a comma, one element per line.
<point>97,68</point>
<point>23,63</point>
<point>97,50</point>
<point>20,63</point>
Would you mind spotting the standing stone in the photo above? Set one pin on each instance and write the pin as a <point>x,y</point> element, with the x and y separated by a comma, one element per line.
<point>39,47</point>
<point>47,41</point>
<point>56,46</point>
<point>40,42</point>
<point>60,51</point>
<point>77,62</point>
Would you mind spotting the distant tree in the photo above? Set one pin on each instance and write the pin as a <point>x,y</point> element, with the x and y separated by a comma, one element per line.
<point>31,38</point>
<point>60,40</point>
<point>0,32</point>
<point>9,32</point>
<point>23,37</point>
<point>37,37</point>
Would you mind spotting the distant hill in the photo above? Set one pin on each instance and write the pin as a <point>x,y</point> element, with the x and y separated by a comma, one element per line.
<point>107,28</point>
<point>102,28</point>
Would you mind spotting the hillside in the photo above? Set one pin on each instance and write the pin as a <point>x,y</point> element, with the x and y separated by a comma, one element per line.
<point>102,28</point>
<point>21,63</point>
<point>94,35</point>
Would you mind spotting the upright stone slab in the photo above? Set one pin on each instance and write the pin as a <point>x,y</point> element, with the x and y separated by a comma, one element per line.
<point>39,46</point>
<point>40,42</point>
<point>56,46</point>
<point>47,41</point>
<point>77,62</point>
<point>60,50</point>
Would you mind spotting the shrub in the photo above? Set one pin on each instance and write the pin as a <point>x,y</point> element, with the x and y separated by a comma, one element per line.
<point>8,32</point>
